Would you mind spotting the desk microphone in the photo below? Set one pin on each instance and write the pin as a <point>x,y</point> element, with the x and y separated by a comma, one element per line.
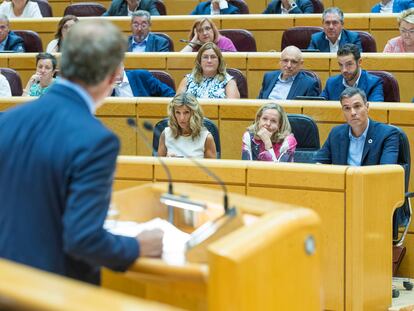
<point>149,127</point>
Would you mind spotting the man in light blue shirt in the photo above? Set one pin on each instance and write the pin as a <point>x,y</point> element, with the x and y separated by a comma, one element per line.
<point>361,141</point>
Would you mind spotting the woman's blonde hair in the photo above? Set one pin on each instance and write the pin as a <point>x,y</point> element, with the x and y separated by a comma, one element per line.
<point>196,119</point>
<point>198,70</point>
<point>197,25</point>
<point>284,125</point>
<point>406,16</point>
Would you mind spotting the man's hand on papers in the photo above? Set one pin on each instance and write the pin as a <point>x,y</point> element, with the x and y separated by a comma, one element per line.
<point>150,243</point>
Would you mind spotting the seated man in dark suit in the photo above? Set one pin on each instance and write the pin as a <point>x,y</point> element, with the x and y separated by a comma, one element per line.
<point>361,141</point>
<point>333,35</point>
<point>127,7</point>
<point>289,7</point>
<point>349,60</point>
<point>142,40</point>
<point>215,7</point>
<point>140,83</point>
<point>9,41</point>
<point>392,6</point>
<point>290,81</point>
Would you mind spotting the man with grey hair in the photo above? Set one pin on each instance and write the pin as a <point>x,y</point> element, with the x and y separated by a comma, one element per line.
<point>9,41</point>
<point>142,40</point>
<point>361,141</point>
<point>333,35</point>
<point>290,81</point>
<point>58,161</point>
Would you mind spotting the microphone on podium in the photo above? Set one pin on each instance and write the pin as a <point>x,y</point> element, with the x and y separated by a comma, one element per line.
<point>191,43</point>
<point>149,127</point>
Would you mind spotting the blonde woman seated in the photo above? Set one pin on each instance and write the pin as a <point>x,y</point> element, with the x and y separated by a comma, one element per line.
<point>270,137</point>
<point>185,130</point>
<point>209,78</point>
<point>20,8</point>
<point>41,81</point>
<point>204,30</point>
<point>405,42</point>
<point>64,26</point>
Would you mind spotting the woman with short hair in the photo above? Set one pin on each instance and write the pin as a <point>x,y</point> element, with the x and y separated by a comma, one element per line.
<point>44,77</point>
<point>186,130</point>
<point>405,41</point>
<point>270,137</point>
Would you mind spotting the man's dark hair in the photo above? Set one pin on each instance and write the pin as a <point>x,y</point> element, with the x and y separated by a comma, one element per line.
<point>349,48</point>
<point>351,91</point>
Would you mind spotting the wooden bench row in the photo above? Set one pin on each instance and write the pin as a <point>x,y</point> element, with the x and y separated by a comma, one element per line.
<point>267,29</point>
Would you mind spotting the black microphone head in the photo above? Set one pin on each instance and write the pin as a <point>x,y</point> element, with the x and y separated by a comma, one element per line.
<point>131,122</point>
<point>148,126</point>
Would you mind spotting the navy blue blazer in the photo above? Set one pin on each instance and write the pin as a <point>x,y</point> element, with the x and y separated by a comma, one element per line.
<point>58,161</point>
<point>381,145</point>
<point>303,85</point>
<point>155,43</point>
<point>371,84</point>
<point>397,6</point>
<point>318,40</point>
<point>144,84</point>
<point>120,8</point>
<point>302,7</point>
<point>203,8</point>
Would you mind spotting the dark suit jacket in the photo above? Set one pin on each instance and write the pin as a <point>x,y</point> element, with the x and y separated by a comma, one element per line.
<point>397,6</point>
<point>303,85</point>
<point>56,173</point>
<point>120,8</point>
<point>154,44</point>
<point>381,145</point>
<point>302,7</point>
<point>318,40</point>
<point>144,84</point>
<point>371,84</point>
<point>203,8</point>
<point>14,43</point>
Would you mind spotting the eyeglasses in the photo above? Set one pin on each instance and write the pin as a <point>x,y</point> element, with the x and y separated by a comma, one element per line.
<point>407,31</point>
<point>356,107</point>
<point>204,29</point>
<point>142,25</point>
<point>208,57</point>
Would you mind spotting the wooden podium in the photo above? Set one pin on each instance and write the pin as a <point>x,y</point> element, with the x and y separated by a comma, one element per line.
<point>266,263</point>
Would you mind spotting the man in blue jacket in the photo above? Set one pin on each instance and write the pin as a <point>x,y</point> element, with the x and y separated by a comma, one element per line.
<point>349,61</point>
<point>215,7</point>
<point>58,162</point>
<point>9,41</point>
<point>333,35</point>
<point>392,6</point>
<point>142,40</point>
<point>140,83</point>
<point>290,81</point>
<point>289,7</point>
<point>127,7</point>
<point>361,141</point>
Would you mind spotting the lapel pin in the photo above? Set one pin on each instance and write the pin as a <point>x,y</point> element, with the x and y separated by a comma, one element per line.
<point>370,141</point>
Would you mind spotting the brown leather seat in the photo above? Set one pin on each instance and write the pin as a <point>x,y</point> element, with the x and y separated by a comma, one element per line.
<point>315,76</point>
<point>85,9</point>
<point>240,81</point>
<point>317,6</point>
<point>389,85</point>
<point>164,77</point>
<point>170,41</point>
<point>14,80</point>
<point>32,41</point>
<point>45,8</point>
<point>241,5</point>
<point>242,39</point>
<point>299,36</point>
<point>368,42</point>
<point>161,7</point>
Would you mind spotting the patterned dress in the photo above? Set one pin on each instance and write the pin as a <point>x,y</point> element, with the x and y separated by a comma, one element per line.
<point>208,88</point>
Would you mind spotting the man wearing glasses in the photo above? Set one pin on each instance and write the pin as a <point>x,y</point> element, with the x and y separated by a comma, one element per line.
<point>333,35</point>
<point>361,141</point>
<point>349,61</point>
<point>142,40</point>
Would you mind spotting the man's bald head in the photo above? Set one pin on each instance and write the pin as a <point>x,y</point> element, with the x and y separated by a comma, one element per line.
<point>291,61</point>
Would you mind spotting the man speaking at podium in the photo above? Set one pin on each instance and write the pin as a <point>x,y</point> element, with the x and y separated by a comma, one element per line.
<point>57,164</point>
